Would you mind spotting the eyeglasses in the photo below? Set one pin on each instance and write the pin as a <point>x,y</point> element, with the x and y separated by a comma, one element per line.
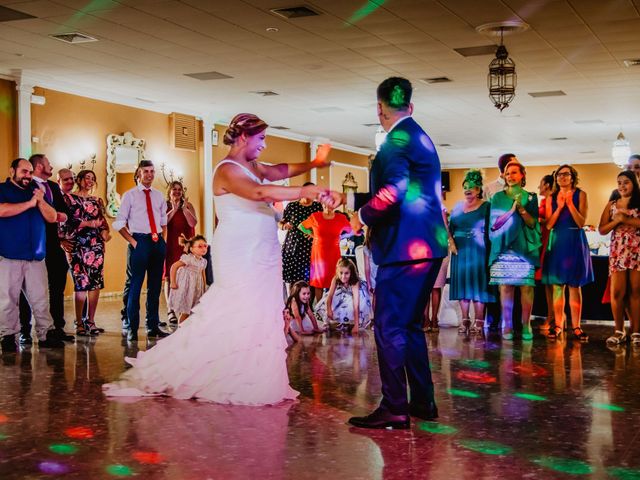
<point>563,174</point>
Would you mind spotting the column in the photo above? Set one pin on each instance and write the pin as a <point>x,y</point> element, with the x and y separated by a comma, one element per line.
<point>207,126</point>
<point>25,89</point>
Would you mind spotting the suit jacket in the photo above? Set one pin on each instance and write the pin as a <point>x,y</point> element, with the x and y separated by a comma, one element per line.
<point>53,241</point>
<point>404,206</point>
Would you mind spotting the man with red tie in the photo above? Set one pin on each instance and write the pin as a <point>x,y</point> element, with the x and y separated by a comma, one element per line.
<point>142,221</point>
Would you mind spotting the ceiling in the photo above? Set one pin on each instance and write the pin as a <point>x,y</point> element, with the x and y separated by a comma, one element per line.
<point>325,68</point>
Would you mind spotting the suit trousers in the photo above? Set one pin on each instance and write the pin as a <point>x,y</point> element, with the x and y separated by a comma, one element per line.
<point>125,293</point>
<point>402,291</point>
<point>30,277</point>
<point>146,259</point>
<point>57,269</point>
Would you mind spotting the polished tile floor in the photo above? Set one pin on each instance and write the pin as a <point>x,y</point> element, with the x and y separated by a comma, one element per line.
<point>508,410</point>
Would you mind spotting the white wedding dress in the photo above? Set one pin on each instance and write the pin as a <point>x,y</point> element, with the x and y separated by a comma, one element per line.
<point>232,348</point>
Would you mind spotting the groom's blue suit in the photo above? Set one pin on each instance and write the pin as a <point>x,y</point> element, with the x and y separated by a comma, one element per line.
<point>408,241</point>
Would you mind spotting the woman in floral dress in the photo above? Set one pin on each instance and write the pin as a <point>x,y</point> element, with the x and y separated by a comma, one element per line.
<point>87,234</point>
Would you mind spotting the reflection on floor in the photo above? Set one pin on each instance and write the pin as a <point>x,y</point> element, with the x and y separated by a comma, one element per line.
<point>507,410</point>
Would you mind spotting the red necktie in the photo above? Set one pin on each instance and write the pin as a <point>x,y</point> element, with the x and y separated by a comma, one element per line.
<point>152,220</point>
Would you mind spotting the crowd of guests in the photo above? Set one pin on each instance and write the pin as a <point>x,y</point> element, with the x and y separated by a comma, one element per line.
<point>502,237</point>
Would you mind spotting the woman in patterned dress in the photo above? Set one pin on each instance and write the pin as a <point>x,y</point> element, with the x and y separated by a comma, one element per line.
<point>622,218</point>
<point>296,250</point>
<point>90,232</point>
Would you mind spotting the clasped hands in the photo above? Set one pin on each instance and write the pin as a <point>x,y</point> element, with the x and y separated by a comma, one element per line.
<point>332,199</point>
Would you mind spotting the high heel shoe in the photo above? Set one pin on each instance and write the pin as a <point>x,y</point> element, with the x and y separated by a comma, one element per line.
<point>463,329</point>
<point>579,334</point>
<point>555,333</point>
<point>618,338</point>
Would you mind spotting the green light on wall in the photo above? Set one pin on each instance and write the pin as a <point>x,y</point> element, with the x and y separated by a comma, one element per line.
<point>476,363</point>
<point>485,446</point>
<point>437,428</point>
<point>119,470</point>
<point>608,407</point>
<point>3,436</point>
<point>63,449</point>
<point>463,393</point>
<point>565,465</point>
<point>530,396</point>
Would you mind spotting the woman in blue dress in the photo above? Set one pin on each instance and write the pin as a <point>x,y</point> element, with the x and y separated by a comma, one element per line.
<point>568,261</point>
<point>469,253</point>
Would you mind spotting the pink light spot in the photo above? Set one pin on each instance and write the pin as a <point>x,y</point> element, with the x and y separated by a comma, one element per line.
<point>475,377</point>
<point>151,458</point>
<point>530,370</point>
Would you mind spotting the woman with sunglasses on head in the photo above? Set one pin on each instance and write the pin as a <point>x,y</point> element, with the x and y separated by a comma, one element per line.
<point>568,260</point>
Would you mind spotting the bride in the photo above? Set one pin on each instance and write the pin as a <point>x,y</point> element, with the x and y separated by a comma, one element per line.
<point>232,349</point>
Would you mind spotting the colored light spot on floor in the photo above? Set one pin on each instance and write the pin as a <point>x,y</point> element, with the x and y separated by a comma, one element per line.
<point>53,468</point>
<point>63,449</point>
<point>608,406</point>
<point>530,396</point>
<point>476,363</point>
<point>475,377</point>
<point>530,370</point>
<point>438,428</point>
<point>564,465</point>
<point>79,432</point>
<point>624,473</point>
<point>3,436</point>
<point>485,446</point>
<point>119,470</point>
<point>463,393</point>
<point>147,457</point>
<point>3,418</point>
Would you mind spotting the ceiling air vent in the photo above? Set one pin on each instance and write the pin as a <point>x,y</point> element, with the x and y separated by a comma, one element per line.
<point>207,76</point>
<point>631,62</point>
<point>477,51</point>
<point>266,93</point>
<point>587,122</point>
<point>444,144</point>
<point>371,124</point>
<point>587,152</point>
<point>429,81</point>
<point>295,12</point>
<point>8,15</point>
<point>551,93</point>
<point>279,127</point>
<point>555,139</point>
<point>74,37</point>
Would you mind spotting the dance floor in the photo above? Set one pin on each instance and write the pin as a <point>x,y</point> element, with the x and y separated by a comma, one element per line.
<point>508,410</point>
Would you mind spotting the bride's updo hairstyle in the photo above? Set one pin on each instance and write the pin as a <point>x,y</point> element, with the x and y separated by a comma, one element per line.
<point>246,123</point>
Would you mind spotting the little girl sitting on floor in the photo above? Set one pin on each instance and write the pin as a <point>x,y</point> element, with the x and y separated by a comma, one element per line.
<point>347,304</point>
<point>298,315</point>
<point>187,276</point>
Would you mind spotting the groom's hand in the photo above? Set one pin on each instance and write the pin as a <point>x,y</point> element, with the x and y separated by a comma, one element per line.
<point>333,199</point>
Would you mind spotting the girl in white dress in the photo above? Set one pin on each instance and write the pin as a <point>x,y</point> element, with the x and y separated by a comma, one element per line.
<point>298,314</point>
<point>231,349</point>
<point>187,277</point>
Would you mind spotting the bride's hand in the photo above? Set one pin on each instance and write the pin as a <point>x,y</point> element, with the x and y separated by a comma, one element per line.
<point>312,191</point>
<point>322,156</point>
<point>333,199</point>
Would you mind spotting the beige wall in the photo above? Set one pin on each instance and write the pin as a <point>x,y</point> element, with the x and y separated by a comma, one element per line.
<point>597,180</point>
<point>8,126</point>
<point>71,128</point>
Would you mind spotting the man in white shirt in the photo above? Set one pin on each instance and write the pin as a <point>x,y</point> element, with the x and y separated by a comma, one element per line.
<point>491,188</point>
<point>142,221</point>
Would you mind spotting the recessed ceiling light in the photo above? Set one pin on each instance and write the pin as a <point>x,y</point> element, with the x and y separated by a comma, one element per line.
<point>550,93</point>
<point>272,29</point>
<point>295,12</point>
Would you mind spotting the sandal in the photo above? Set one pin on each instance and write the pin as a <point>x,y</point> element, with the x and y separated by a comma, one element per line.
<point>477,328</point>
<point>555,332</point>
<point>81,332</point>
<point>617,338</point>
<point>580,335</point>
<point>464,328</point>
<point>635,339</point>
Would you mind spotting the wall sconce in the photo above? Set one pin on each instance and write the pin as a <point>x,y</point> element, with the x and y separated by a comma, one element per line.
<point>349,184</point>
<point>621,151</point>
<point>169,176</point>
<point>82,164</point>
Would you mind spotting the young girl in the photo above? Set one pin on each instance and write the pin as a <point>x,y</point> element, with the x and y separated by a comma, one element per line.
<point>187,276</point>
<point>622,218</point>
<point>298,315</point>
<point>347,304</point>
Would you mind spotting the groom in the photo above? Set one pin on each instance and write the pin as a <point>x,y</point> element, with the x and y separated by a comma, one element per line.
<point>408,241</point>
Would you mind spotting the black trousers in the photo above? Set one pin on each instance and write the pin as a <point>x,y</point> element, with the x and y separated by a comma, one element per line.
<point>401,296</point>
<point>57,268</point>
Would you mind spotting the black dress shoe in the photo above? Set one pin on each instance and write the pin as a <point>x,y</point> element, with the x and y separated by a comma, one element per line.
<point>382,419</point>
<point>25,339</point>
<point>8,344</point>
<point>64,336</point>
<point>157,333</point>
<point>51,341</point>
<point>132,336</point>
<point>425,412</point>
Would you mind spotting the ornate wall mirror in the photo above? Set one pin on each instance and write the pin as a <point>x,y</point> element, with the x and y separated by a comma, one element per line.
<point>124,152</point>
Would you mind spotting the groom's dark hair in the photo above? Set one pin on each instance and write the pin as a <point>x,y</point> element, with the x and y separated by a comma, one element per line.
<point>395,92</point>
